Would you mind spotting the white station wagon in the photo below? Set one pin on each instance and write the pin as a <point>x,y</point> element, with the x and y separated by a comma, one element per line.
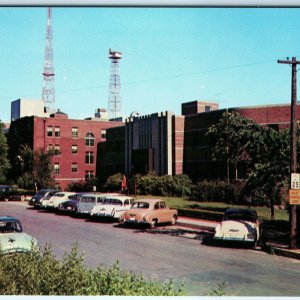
<point>88,201</point>
<point>112,206</point>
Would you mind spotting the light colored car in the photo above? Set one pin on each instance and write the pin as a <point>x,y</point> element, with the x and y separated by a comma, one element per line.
<point>56,199</point>
<point>112,206</point>
<point>12,237</point>
<point>239,225</point>
<point>88,201</point>
<point>150,212</point>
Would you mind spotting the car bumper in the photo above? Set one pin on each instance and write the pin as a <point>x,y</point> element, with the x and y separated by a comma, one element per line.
<point>234,238</point>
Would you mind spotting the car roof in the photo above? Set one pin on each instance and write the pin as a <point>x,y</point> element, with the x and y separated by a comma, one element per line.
<point>3,185</point>
<point>8,219</point>
<point>117,197</point>
<point>241,211</point>
<point>149,200</point>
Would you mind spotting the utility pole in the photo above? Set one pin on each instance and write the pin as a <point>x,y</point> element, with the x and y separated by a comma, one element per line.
<point>293,208</point>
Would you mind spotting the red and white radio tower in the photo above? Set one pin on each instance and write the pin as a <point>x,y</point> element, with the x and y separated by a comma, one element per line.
<point>48,94</point>
<point>114,97</point>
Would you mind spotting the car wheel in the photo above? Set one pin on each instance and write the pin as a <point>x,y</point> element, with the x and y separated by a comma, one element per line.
<point>174,220</point>
<point>22,198</point>
<point>153,223</point>
<point>6,199</point>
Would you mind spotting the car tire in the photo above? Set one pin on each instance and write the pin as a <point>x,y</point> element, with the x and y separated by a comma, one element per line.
<point>174,220</point>
<point>22,198</point>
<point>6,199</point>
<point>153,223</point>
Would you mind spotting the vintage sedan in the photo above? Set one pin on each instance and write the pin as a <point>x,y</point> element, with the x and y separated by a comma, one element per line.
<point>70,206</point>
<point>10,193</point>
<point>150,212</point>
<point>56,199</point>
<point>239,225</point>
<point>12,237</point>
<point>112,207</point>
<point>40,195</point>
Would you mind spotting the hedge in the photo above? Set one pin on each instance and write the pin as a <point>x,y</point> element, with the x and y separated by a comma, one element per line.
<point>38,273</point>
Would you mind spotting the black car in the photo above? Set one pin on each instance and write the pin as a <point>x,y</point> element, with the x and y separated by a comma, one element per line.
<point>71,204</point>
<point>39,196</point>
<point>10,193</point>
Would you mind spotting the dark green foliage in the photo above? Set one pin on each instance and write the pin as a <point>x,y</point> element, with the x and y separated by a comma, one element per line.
<point>4,162</point>
<point>218,191</point>
<point>35,274</point>
<point>83,186</point>
<point>151,184</point>
<point>113,183</point>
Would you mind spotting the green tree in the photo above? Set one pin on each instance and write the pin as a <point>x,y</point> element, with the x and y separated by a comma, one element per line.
<point>4,162</point>
<point>233,137</point>
<point>43,169</point>
<point>265,151</point>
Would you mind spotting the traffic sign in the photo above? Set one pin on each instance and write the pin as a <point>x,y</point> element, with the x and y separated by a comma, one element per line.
<point>295,181</point>
<point>294,196</point>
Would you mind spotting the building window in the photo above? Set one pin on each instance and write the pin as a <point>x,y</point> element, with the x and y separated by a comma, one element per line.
<point>74,132</point>
<point>89,158</point>
<point>56,168</point>
<point>57,150</point>
<point>207,108</point>
<point>103,134</point>
<point>74,168</point>
<point>57,131</point>
<point>89,139</point>
<point>49,131</point>
<point>74,149</point>
<point>89,175</point>
<point>49,147</point>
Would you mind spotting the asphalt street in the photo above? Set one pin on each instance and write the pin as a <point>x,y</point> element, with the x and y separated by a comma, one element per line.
<point>163,253</point>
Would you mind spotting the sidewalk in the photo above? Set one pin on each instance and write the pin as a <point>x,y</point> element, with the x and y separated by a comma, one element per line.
<point>271,247</point>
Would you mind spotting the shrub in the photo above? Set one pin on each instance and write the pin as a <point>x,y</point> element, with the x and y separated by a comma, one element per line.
<point>167,185</point>
<point>113,183</point>
<point>43,274</point>
<point>218,191</point>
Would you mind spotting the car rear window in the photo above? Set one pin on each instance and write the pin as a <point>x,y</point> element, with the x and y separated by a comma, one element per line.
<point>140,205</point>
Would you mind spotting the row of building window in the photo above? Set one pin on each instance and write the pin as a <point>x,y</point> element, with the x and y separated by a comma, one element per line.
<point>74,169</point>
<point>89,138</point>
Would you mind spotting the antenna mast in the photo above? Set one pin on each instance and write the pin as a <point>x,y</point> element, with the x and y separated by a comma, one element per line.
<point>48,93</point>
<point>114,98</point>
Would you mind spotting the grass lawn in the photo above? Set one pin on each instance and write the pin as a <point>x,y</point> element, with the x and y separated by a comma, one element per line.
<point>215,210</point>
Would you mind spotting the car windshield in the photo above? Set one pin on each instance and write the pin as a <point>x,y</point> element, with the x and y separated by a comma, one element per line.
<point>8,227</point>
<point>140,205</point>
<point>239,216</point>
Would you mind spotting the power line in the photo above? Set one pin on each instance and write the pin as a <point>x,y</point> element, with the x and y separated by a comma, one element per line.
<point>161,78</point>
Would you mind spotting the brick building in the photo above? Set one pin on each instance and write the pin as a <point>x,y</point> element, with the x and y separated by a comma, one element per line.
<point>169,144</point>
<point>74,143</point>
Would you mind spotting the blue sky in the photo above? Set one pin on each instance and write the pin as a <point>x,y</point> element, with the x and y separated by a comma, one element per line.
<point>170,56</point>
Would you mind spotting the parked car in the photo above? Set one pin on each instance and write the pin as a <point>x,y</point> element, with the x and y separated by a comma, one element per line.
<point>10,193</point>
<point>71,204</point>
<point>239,225</point>
<point>39,196</point>
<point>56,199</point>
<point>88,201</point>
<point>112,207</point>
<point>12,237</point>
<point>151,212</point>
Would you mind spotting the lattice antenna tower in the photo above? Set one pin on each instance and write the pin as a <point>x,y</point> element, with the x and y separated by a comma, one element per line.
<point>114,97</point>
<point>48,93</point>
